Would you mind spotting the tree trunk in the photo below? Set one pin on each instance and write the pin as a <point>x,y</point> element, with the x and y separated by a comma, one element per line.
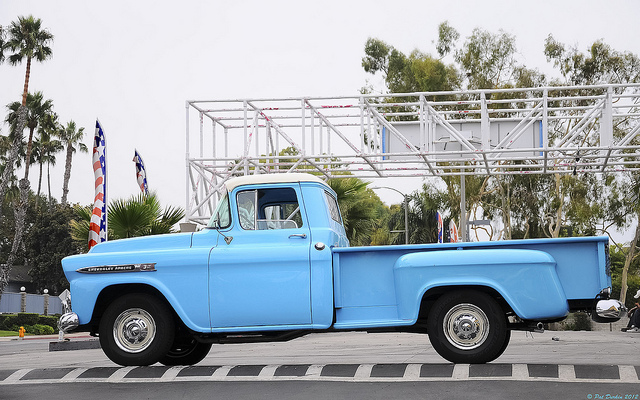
<point>49,182</point>
<point>13,154</point>
<point>26,82</point>
<point>23,184</point>
<point>554,230</point>
<point>20,213</point>
<point>39,186</point>
<point>627,263</point>
<point>67,174</point>
<point>506,209</point>
<point>27,158</point>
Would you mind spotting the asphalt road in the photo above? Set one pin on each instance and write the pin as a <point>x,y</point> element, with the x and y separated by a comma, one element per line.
<point>555,365</point>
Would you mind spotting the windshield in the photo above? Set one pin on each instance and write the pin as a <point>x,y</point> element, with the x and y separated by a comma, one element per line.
<point>221,218</point>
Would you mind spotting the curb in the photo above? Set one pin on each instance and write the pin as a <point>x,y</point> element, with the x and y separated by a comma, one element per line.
<point>74,345</point>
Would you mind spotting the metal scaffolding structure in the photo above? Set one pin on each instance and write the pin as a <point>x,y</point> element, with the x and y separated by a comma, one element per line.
<point>566,129</point>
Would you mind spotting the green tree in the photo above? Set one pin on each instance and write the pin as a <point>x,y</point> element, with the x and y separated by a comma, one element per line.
<point>7,224</point>
<point>618,264</point>
<point>447,37</point>
<point>27,41</point>
<point>3,43</point>
<point>48,147</point>
<point>529,205</point>
<point>488,60</point>
<point>418,72</point>
<point>360,208</point>
<point>47,242</point>
<point>71,137</point>
<point>38,110</point>
<point>39,115</point>
<point>601,64</point>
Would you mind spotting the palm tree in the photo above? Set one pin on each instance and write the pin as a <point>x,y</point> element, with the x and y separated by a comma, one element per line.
<point>27,40</point>
<point>360,208</point>
<point>7,143</point>
<point>71,138</point>
<point>49,147</point>
<point>139,215</point>
<point>3,44</point>
<point>38,113</point>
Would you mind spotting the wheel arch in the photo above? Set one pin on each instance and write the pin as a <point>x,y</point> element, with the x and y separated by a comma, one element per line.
<point>432,295</point>
<point>110,293</point>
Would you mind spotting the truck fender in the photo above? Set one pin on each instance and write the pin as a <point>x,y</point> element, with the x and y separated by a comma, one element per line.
<point>87,309</point>
<point>526,279</point>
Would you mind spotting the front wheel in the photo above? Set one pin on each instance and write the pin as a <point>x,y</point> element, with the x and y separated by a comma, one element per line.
<point>136,329</point>
<point>468,327</point>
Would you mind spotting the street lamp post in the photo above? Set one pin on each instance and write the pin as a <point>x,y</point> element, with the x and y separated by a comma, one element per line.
<point>406,210</point>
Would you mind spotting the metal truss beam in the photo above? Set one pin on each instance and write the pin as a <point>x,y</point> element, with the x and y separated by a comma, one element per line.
<point>570,129</point>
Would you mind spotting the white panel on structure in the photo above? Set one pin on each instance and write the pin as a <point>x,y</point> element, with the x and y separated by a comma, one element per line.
<point>499,130</point>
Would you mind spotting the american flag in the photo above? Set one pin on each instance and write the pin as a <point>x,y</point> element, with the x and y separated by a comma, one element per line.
<point>141,173</point>
<point>98,223</point>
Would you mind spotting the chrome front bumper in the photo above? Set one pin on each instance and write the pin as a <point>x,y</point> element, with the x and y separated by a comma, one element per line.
<point>68,322</point>
<point>608,311</point>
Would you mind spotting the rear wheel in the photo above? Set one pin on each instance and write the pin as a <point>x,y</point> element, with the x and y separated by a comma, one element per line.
<point>186,351</point>
<point>468,327</point>
<point>136,329</point>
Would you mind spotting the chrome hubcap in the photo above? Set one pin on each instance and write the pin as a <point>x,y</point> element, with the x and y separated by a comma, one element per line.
<point>134,330</point>
<point>466,326</point>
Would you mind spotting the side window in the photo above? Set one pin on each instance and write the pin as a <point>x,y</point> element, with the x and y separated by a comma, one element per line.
<point>266,209</point>
<point>247,209</point>
<point>334,211</point>
<point>221,218</point>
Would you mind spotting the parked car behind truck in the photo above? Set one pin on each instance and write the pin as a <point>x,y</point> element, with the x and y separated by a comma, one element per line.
<point>274,263</point>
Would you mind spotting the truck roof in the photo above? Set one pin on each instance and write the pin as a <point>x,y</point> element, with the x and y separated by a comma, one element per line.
<point>294,177</point>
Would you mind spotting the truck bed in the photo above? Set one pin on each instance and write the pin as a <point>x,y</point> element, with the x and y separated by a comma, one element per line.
<point>366,278</point>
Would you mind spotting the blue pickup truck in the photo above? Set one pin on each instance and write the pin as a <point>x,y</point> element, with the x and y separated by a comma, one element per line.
<point>274,264</point>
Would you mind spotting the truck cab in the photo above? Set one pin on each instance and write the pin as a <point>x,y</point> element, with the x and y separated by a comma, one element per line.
<point>288,230</point>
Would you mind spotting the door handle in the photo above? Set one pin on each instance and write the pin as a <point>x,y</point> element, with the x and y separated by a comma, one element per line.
<point>298,235</point>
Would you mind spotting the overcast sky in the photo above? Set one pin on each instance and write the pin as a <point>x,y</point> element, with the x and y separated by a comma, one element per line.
<point>133,64</point>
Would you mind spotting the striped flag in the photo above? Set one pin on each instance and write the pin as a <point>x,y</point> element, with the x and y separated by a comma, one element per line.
<point>453,232</point>
<point>440,230</point>
<point>141,173</point>
<point>98,223</point>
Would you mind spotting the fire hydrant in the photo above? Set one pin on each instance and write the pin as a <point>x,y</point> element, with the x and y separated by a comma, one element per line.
<point>21,332</point>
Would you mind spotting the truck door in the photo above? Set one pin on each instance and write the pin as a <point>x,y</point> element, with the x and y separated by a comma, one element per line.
<point>262,278</point>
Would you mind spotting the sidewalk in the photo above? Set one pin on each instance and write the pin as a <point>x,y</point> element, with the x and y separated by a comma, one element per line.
<point>79,335</point>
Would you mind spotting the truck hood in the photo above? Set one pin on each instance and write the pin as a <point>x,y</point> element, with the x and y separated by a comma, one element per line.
<point>144,243</point>
<point>125,251</point>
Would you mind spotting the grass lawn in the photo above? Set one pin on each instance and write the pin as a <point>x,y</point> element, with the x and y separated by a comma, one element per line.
<point>8,333</point>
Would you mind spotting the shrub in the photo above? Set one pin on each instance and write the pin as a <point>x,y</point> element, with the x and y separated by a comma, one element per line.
<point>7,321</point>
<point>49,320</point>
<point>39,329</point>
<point>13,322</point>
<point>579,322</point>
<point>27,318</point>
